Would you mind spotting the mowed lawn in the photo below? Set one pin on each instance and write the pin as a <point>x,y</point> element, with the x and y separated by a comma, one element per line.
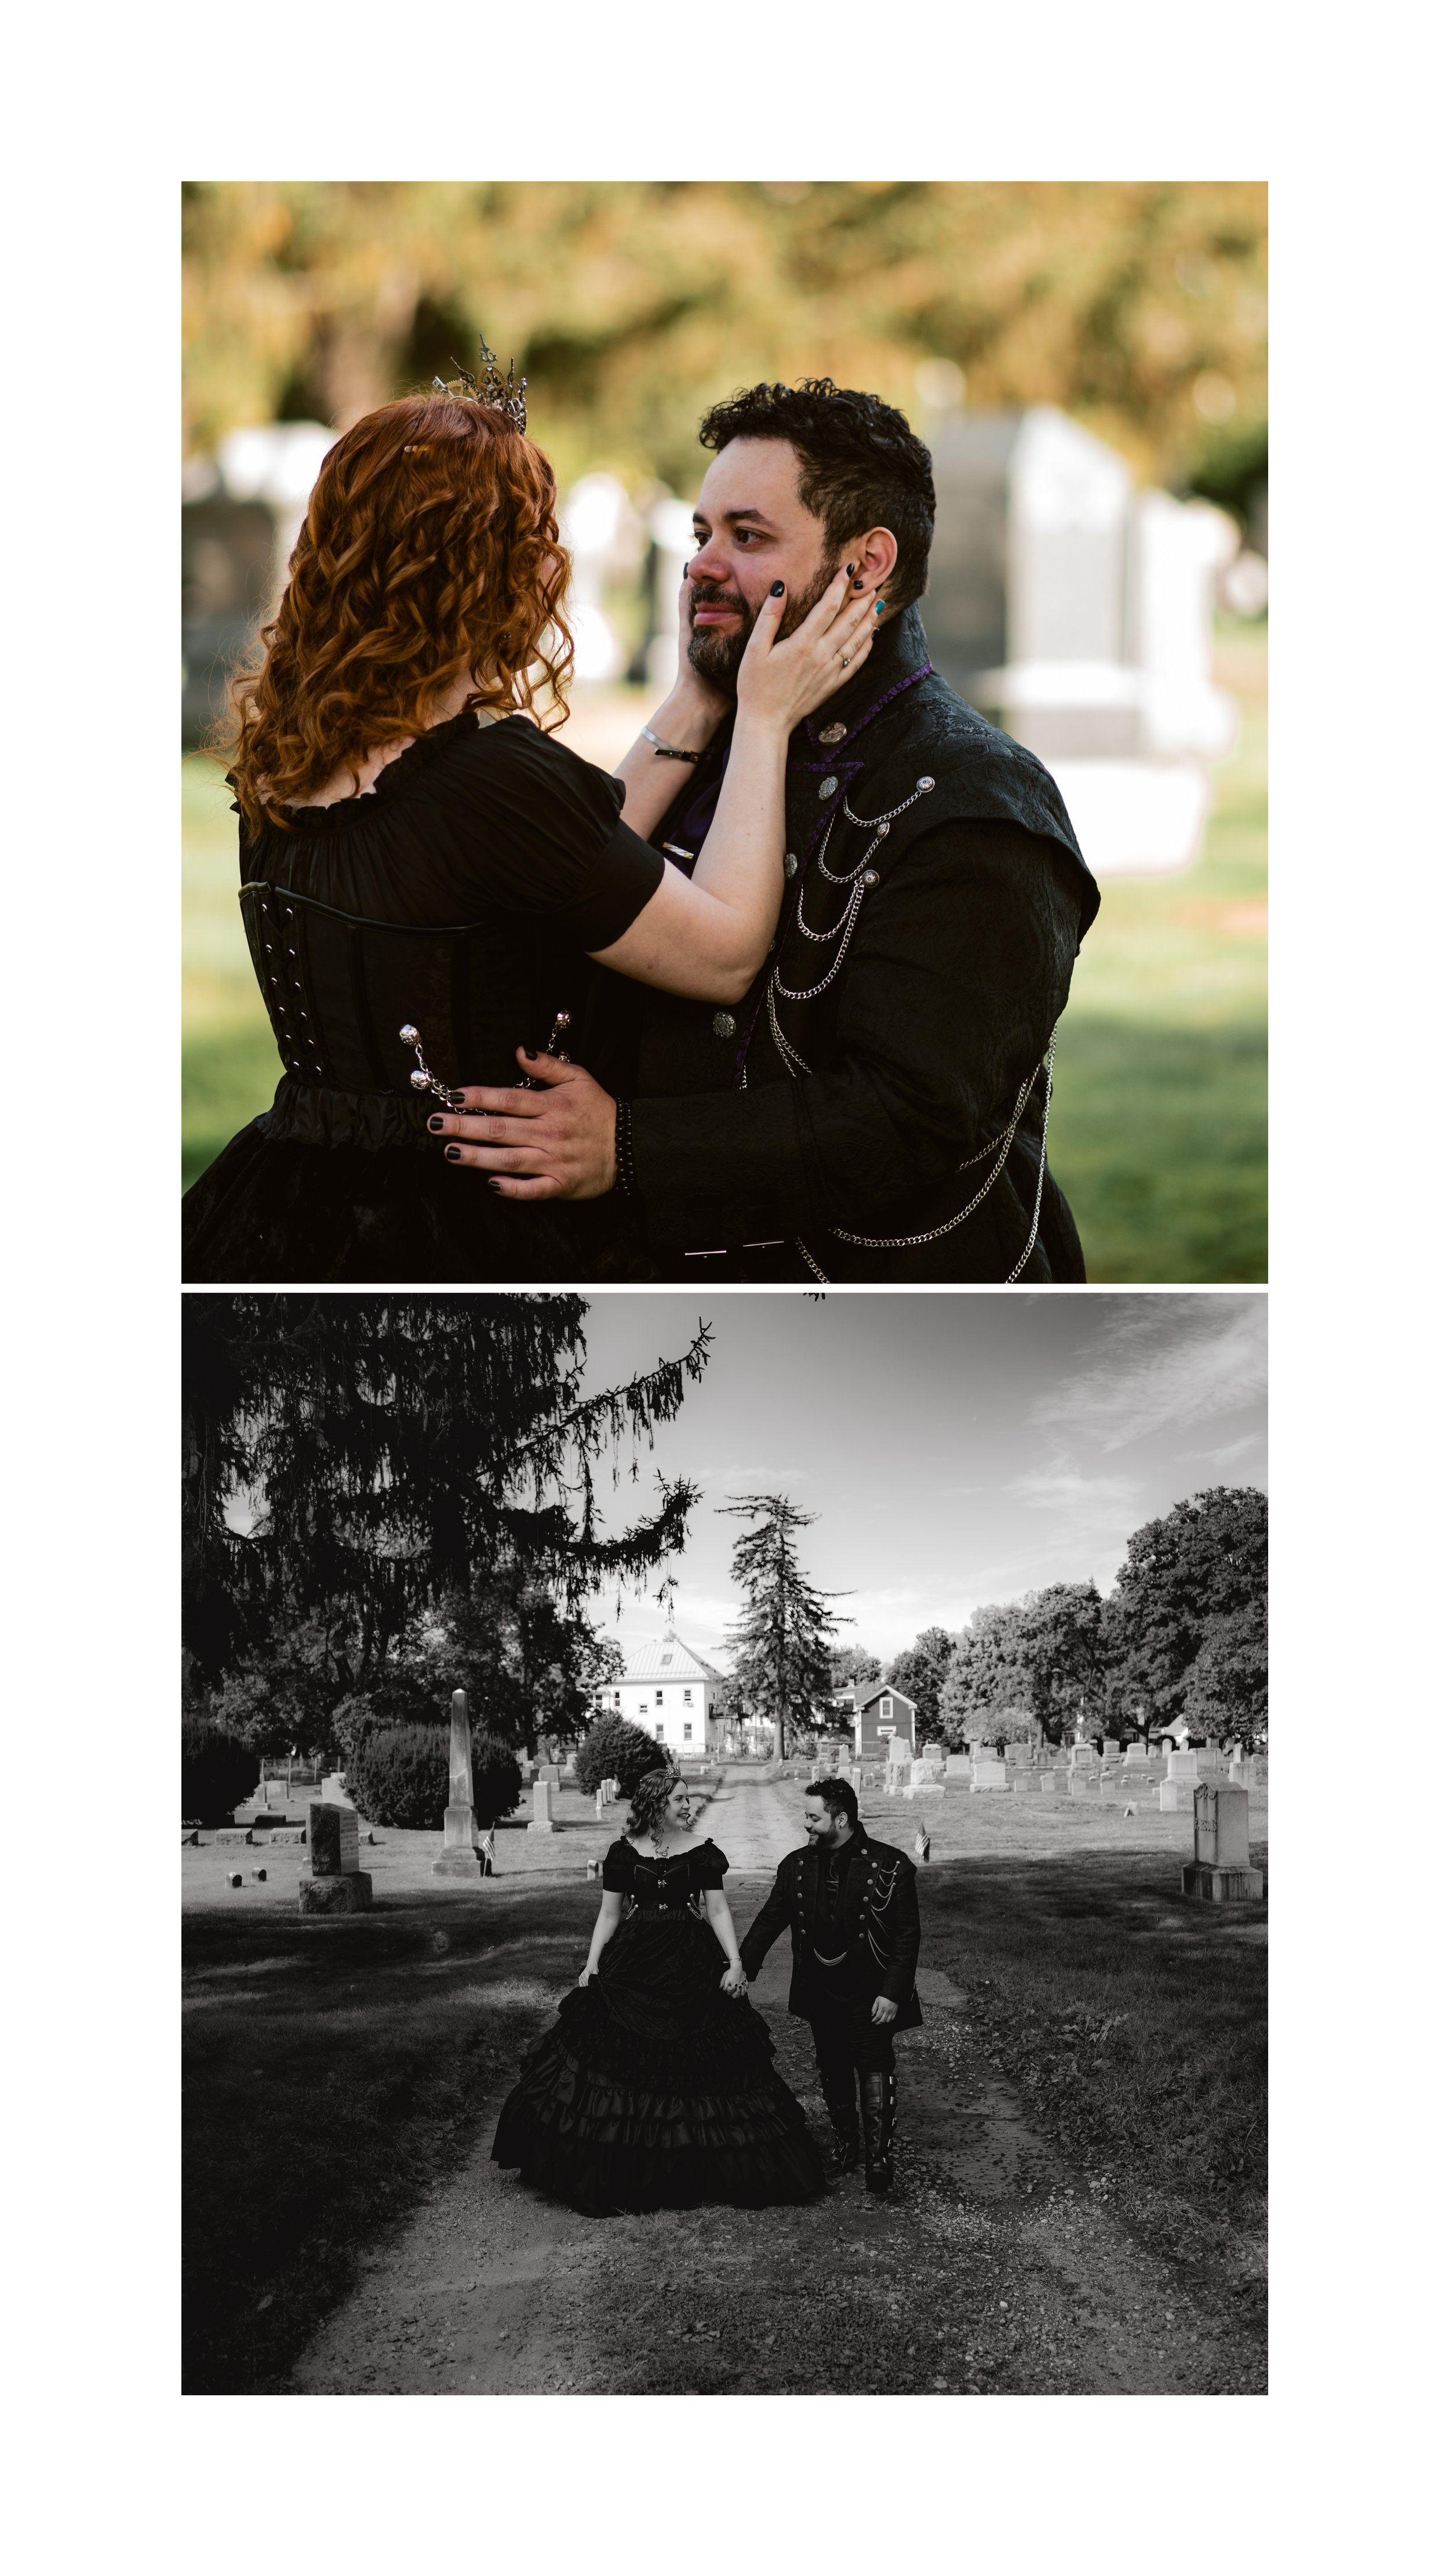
<point>334,2071</point>
<point>1159,1117</point>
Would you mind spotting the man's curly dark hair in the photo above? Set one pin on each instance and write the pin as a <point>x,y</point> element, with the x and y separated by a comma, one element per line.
<point>861,466</point>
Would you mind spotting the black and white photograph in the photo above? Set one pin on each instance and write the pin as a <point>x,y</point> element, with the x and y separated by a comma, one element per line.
<point>686,1803</point>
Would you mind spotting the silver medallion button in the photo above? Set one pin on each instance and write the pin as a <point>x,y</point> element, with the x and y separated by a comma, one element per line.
<point>723,1024</point>
<point>833,733</point>
<point>922,784</point>
<point>870,878</point>
<point>828,787</point>
<point>791,863</point>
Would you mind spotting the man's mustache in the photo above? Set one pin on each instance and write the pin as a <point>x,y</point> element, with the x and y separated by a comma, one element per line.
<point>713,594</point>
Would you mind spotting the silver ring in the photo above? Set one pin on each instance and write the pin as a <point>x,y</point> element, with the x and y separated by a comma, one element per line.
<point>844,660</point>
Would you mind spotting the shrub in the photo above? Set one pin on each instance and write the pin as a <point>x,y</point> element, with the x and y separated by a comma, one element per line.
<point>614,1749</point>
<point>217,1771</point>
<point>398,1775</point>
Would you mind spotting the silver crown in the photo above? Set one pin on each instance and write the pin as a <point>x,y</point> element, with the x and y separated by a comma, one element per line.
<point>495,392</point>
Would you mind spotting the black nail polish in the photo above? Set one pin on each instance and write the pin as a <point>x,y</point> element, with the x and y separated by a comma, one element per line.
<point>456,1100</point>
<point>857,585</point>
<point>850,567</point>
<point>435,1126</point>
<point>529,1056</point>
<point>453,1153</point>
<point>777,590</point>
<point>498,1186</point>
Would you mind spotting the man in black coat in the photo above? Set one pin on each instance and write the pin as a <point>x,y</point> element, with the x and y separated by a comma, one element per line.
<point>875,1108</point>
<point>855,1930</point>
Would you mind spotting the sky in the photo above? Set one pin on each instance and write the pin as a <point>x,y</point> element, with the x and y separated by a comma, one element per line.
<point>957,1449</point>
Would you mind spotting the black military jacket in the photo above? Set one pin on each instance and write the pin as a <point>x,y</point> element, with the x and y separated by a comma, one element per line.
<point>882,1925</point>
<point>856,1122</point>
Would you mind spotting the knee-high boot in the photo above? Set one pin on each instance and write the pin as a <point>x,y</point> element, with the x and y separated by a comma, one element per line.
<point>878,2111</point>
<point>838,2088</point>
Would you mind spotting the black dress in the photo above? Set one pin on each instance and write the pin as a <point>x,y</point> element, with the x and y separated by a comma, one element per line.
<point>460,896</point>
<point>655,2089</point>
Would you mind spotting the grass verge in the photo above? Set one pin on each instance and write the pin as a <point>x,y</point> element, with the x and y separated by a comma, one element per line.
<point>333,2072</point>
<point>1132,2021</point>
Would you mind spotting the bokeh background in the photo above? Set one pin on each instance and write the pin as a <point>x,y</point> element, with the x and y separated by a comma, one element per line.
<point>1126,324</point>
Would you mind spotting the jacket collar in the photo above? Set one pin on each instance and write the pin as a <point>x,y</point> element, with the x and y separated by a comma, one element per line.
<point>899,653</point>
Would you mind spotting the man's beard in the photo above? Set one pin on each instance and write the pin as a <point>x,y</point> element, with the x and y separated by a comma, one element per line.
<point>717,657</point>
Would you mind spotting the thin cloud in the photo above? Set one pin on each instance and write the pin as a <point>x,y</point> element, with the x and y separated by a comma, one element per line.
<point>1174,1361</point>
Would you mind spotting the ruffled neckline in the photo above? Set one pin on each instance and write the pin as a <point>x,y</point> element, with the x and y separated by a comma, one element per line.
<point>424,747</point>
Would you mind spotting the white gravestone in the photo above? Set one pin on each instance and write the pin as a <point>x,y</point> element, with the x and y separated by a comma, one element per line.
<point>1047,1784</point>
<point>988,1774</point>
<point>1135,1757</point>
<point>541,1821</point>
<point>460,1856</point>
<point>1220,1871</point>
<point>958,1766</point>
<point>1182,1766</point>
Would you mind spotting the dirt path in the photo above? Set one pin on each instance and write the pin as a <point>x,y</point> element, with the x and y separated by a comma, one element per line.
<point>992,2268</point>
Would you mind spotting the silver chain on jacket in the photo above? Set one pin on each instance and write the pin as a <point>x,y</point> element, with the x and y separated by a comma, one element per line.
<point>859,882</point>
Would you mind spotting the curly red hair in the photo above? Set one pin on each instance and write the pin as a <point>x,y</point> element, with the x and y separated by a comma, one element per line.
<point>430,550</point>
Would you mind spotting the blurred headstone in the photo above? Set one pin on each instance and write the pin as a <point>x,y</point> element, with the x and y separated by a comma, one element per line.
<point>1078,616</point>
<point>1220,1870</point>
<point>336,1884</point>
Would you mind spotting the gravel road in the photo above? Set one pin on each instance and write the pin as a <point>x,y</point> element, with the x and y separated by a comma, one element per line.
<point>992,2269</point>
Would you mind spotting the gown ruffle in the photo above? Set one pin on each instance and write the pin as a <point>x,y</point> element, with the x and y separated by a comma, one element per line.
<point>655,2090</point>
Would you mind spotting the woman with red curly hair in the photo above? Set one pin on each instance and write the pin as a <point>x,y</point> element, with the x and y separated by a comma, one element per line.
<point>427,875</point>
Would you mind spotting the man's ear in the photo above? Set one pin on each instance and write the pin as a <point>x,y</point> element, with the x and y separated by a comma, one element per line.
<point>874,557</point>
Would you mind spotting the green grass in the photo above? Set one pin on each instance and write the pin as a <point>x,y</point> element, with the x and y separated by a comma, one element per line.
<point>333,2070</point>
<point>1159,1118</point>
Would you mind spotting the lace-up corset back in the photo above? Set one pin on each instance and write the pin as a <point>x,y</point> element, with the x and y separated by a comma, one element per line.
<point>339,988</point>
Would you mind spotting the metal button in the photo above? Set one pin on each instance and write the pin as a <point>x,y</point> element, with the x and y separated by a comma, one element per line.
<point>723,1024</point>
<point>828,787</point>
<point>870,878</point>
<point>922,784</point>
<point>791,863</point>
<point>834,733</point>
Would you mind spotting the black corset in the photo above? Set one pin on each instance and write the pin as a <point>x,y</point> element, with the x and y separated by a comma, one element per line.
<point>338,990</point>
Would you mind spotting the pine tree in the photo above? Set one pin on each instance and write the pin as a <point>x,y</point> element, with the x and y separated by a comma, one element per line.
<point>782,1643</point>
<point>358,1459</point>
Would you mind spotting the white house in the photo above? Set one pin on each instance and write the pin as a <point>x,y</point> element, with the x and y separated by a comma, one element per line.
<point>673,1693</point>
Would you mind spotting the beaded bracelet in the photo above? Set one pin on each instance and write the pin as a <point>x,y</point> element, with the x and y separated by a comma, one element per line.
<point>624,1178</point>
<point>666,750</point>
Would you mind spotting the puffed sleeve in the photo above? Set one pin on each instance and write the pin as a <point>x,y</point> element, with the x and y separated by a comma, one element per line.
<point>710,1866</point>
<point>619,1868</point>
<point>531,826</point>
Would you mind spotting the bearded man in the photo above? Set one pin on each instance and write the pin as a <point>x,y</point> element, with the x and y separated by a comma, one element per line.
<point>875,1109</point>
<point>849,1903</point>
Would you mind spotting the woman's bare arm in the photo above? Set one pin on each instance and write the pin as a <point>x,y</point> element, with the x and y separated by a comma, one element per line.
<point>611,1906</point>
<point>708,935</point>
<point>722,1925</point>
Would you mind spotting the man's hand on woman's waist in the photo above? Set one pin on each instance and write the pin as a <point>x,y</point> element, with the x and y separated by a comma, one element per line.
<point>557,1143</point>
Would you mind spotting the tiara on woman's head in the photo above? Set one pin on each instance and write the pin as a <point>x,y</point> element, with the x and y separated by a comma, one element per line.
<point>495,392</point>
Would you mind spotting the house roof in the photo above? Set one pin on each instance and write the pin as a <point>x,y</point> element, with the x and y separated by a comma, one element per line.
<point>868,1692</point>
<point>667,1659</point>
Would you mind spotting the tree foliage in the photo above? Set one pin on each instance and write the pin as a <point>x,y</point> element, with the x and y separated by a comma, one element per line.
<point>1041,1660</point>
<point>781,1643</point>
<point>1138,306</point>
<point>616,1749</point>
<point>355,1462</point>
<point>400,1776</point>
<point>852,1664</point>
<point>1190,1613</point>
<point>920,1671</point>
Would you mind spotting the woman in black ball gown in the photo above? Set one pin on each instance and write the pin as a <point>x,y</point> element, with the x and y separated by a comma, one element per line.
<point>656,2087</point>
<point>418,855</point>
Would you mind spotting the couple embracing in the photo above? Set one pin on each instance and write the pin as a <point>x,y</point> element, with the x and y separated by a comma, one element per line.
<point>656,2089</point>
<point>774,1002</point>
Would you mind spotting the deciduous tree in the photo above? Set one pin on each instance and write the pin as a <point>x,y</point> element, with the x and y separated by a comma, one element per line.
<point>920,1671</point>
